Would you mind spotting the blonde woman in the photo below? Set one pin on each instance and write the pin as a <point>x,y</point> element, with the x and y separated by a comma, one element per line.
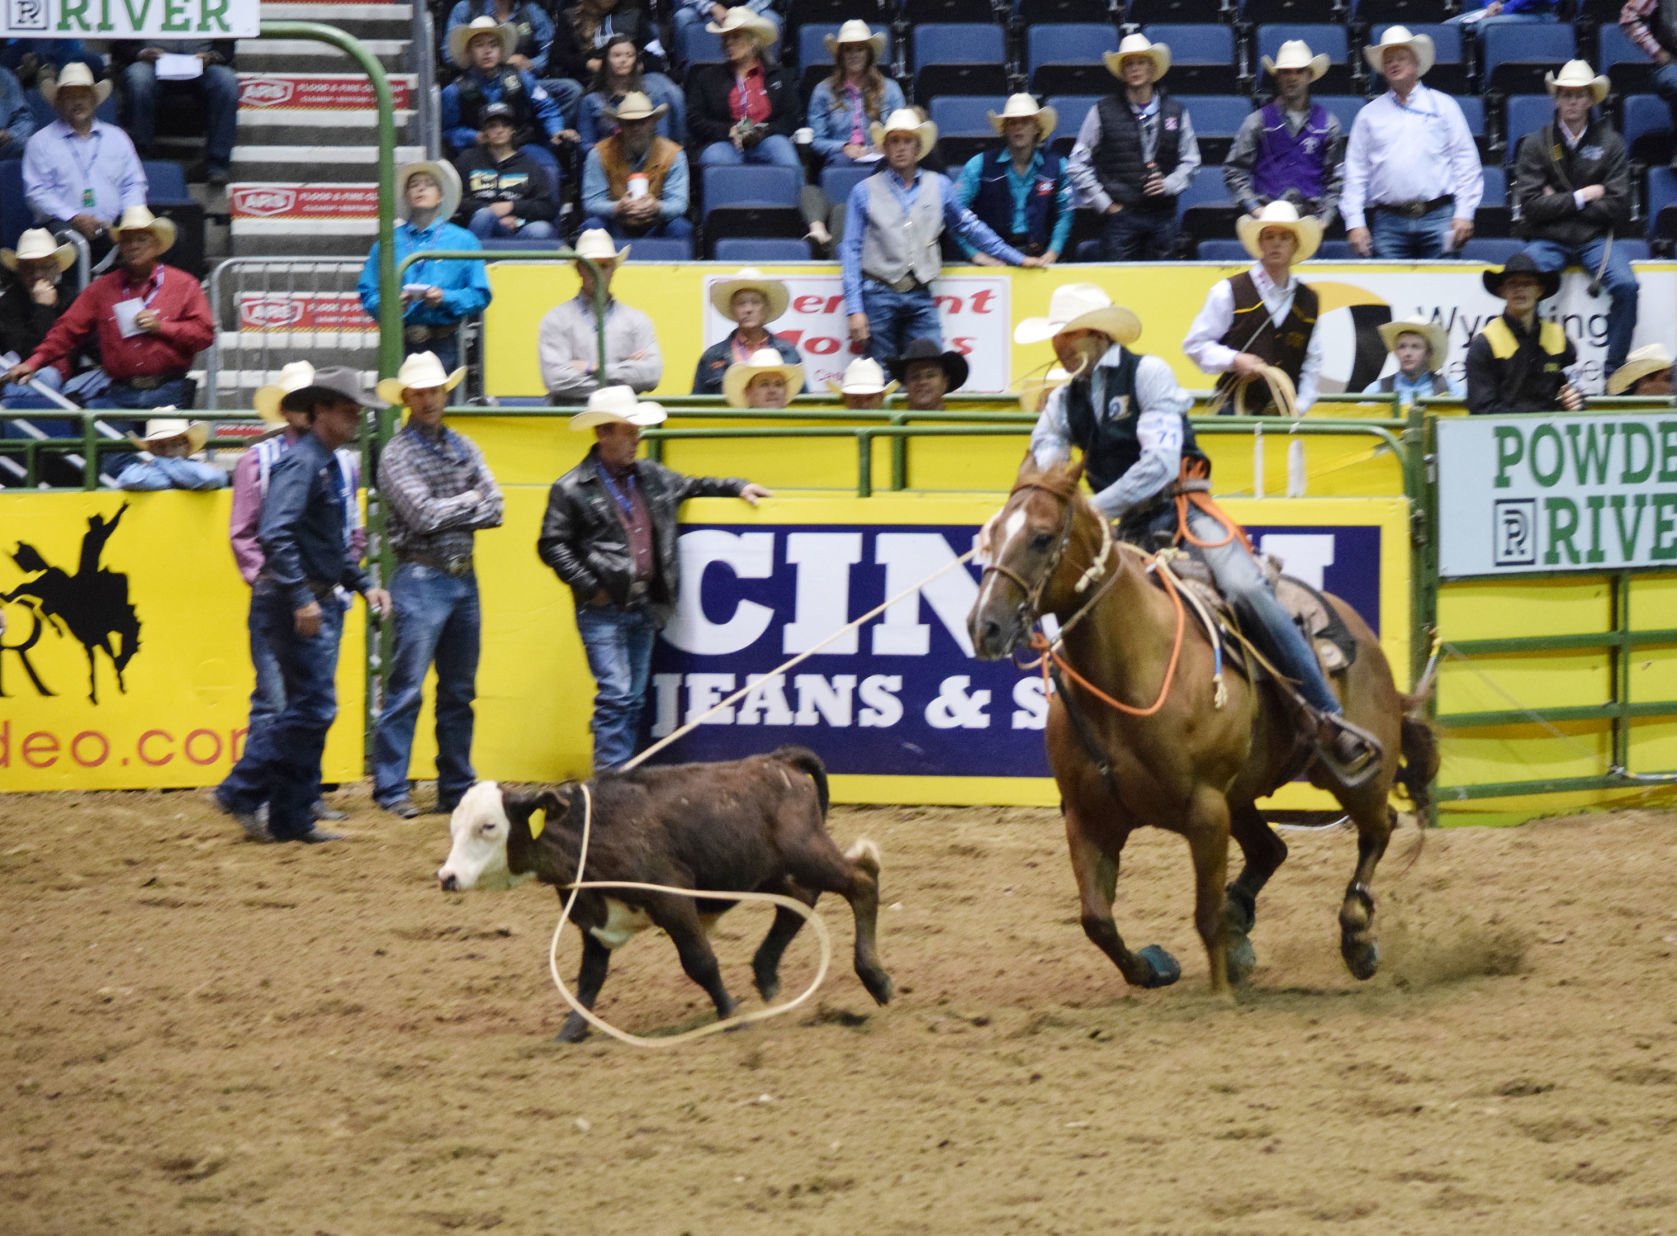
<point>857,96</point>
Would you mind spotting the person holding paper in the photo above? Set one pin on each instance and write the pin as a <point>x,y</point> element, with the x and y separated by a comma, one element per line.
<point>79,171</point>
<point>175,70</point>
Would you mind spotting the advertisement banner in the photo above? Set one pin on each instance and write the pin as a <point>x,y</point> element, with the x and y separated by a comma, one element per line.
<point>333,311</point>
<point>132,19</point>
<point>1535,493</point>
<point>316,92</point>
<point>303,201</point>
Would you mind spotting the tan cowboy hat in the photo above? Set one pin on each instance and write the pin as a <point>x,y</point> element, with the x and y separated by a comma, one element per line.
<point>1399,36</point>
<point>905,120</point>
<point>763,360</point>
<point>635,106</point>
<point>1031,390</point>
<point>268,399</point>
<point>420,371</point>
<point>448,180</point>
<point>764,31</point>
<point>617,405</point>
<point>460,38</point>
<point>1307,231</point>
<point>1638,365</point>
<point>1438,343</point>
<point>862,376</point>
<point>35,244</point>
<point>140,219</point>
<point>1295,54</point>
<point>72,75</point>
<point>852,32</point>
<point>1138,45</point>
<point>162,428</point>
<point>1080,306</point>
<point>597,245</point>
<point>750,279</point>
<point>1025,107</point>
<point>1578,75</point>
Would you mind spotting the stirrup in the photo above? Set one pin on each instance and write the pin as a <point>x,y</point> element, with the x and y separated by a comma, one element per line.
<point>1353,763</point>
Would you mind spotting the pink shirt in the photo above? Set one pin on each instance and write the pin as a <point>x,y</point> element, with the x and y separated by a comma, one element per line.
<point>246,518</point>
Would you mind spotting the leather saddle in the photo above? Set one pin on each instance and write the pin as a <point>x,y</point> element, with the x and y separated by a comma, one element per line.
<point>1323,628</point>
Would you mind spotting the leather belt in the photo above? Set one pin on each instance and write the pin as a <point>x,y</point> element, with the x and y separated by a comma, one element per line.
<point>424,334</point>
<point>147,384</point>
<point>458,568</point>
<point>1416,209</point>
<point>908,283</point>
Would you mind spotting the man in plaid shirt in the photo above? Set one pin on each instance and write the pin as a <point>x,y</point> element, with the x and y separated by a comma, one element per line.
<point>438,492</point>
<point>1652,26</point>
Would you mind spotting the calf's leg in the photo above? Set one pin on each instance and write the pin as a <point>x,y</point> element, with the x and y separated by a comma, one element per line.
<point>816,863</point>
<point>765,966</point>
<point>680,918</point>
<point>596,958</point>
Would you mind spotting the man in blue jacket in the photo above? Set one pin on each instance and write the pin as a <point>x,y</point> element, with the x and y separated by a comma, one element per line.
<point>1022,191</point>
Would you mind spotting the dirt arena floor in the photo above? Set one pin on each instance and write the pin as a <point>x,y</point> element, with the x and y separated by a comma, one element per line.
<point>202,1035</point>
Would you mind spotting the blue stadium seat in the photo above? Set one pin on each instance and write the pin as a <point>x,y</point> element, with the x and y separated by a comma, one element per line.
<point>1661,210</point>
<point>1065,58</point>
<point>1222,251</point>
<point>1473,111</point>
<point>1634,248</point>
<point>1495,180</point>
<point>963,115</point>
<point>1329,40</point>
<point>1205,209</point>
<point>664,248</point>
<point>1256,12</point>
<point>1343,106</point>
<point>1523,114</point>
<point>837,182</point>
<point>1450,71</point>
<point>1495,251</point>
<point>15,215</point>
<point>960,58</point>
<point>1647,128</point>
<point>1216,119</point>
<point>698,47</point>
<point>1411,13</point>
<point>751,201</point>
<point>747,249</point>
<point>1202,56</point>
<point>1515,58</point>
<point>1336,251</point>
<point>1494,218</point>
<point>1072,109</point>
<point>1625,64</point>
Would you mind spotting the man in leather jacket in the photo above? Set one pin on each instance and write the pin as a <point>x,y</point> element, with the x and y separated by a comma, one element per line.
<point>610,533</point>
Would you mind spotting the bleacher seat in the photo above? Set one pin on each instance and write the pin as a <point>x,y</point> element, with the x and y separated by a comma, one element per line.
<point>916,11</point>
<point>1216,119</point>
<point>1473,112</point>
<point>751,201</point>
<point>15,215</point>
<point>1222,251</point>
<point>699,47</point>
<point>1661,211</point>
<point>963,126</point>
<point>1258,12</point>
<point>1146,12</point>
<point>837,182</point>
<point>744,249</point>
<point>1411,13</point>
<point>1067,10</point>
<point>1202,56</point>
<point>1494,250</point>
<point>1204,210</point>
<point>1336,251</point>
<point>1071,110</point>
<point>960,58</point>
<point>1522,114</point>
<point>1450,71</point>
<point>1514,59</point>
<point>1323,39</point>
<point>1495,216</point>
<point>1065,58</point>
<point>664,248</point>
<point>1647,128</point>
<point>1627,66</point>
<point>1343,106</point>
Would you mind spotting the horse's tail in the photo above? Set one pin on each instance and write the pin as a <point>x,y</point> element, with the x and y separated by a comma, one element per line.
<point>1418,742</point>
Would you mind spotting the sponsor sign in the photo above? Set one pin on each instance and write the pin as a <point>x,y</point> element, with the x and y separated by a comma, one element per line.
<point>269,201</point>
<point>315,93</point>
<point>303,311</point>
<point>130,19</point>
<point>1572,493</point>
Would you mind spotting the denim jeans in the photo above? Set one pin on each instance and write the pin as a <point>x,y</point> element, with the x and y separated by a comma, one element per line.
<point>446,349</point>
<point>219,89</point>
<point>1665,85</point>
<point>1134,235</point>
<point>619,643</point>
<point>437,622</point>
<point>1398,237</point>
<point>281,763</point>
<point>566,95</point>
<point>776,148</point>
<point>486,225</point>
<point>1618,279</point>
<point>676,228</point>
<point>896,319</point>
<point>267,696</point>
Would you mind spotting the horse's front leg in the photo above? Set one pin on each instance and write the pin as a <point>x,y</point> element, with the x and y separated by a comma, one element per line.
<point>1207,830</point>
<point>1357,941</point>
<point>1094,862</point>
<point>1264,852</point>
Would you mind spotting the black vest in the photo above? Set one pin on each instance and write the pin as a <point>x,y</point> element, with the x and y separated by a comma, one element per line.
<point>1253,331</point>
<point>1119,165</point>
<point>1110,446</point>
<point>513,95</point>
<point>993,202</point>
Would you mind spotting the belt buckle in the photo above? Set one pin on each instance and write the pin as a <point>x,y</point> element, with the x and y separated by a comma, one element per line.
<point>416,334</point>
<point>457,567</point>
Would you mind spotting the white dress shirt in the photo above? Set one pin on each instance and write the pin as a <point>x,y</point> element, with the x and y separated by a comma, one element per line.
<point>1410,151</point>
<point>1204,347</point>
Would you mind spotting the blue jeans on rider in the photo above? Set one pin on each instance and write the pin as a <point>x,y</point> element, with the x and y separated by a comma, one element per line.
<point>618,642</point>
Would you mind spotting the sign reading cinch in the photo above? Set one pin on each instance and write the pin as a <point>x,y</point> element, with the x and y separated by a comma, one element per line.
<point>131,19</point>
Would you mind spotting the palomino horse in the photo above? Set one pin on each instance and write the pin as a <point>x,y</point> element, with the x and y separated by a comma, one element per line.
<point>1158,750</point>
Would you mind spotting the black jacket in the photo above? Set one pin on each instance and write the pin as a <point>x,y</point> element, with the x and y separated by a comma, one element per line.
<point>569,57</point>
<point>583,539</point>
<point>708,117</point>
<point>23,323</point>
<point>1546,174</point>
<point>516,179</point>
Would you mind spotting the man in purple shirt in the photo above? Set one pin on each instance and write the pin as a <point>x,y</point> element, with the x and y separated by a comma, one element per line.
<point>79,171</point>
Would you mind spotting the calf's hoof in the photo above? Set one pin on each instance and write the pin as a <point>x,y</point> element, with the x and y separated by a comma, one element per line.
<point>1242,959</point>
<point>1161,967</point>
<point>573,1031</point>
<point>879,986</point>
<point>768,986</point>
<point>1362,956</point>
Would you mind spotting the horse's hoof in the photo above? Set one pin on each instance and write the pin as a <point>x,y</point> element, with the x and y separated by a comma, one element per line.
<point>1242,959</point>
<point>1362,957</point>
<point>1240,909</point>
<point>1162,969</point>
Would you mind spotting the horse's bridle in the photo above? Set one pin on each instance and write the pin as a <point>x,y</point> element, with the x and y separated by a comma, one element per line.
<point>1030,609</point>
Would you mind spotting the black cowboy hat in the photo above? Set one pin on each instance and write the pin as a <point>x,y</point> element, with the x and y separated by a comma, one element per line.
<point>954,364</point>
<point>328,386</point>
<point>1520,264</point>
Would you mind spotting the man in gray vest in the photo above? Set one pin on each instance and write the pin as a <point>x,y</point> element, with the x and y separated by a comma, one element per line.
<point>890,253</point>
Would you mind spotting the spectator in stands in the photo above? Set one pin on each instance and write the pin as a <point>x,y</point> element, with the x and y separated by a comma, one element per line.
<point>928,373</point>
<point>437,295</point>
<point>1646,371</point>
<point>1411,163</point>
<point>531,26</point>
<point>1572,188</point>
<point>79,171</point>
<point>165,460</point>
<point>199,71</point>
<point>1263,317</point>
<point>32,299</point>
<point>480,48</point>
<point>1021,191</point>
<point>17,118</point>
<point>622,73</point>
<point>690,14</point>
<point>1291,148</point>
<point>568,341</point>
<point>635,183</point>
<point>505,192</point>
<point>149,321</point>
<point>765,379</point>
<point>580,37</point>
<point>844,108</point>
<point>1519,363</point>
<point>1419,345</point>
<point>743,111</point>
<point>1135,153</point>
<point>890,253</point>
<point>751,300</point>
<point>1483,14</point>
<point>1652,26</point>
<point>37,62</point>
<point>863,386</point>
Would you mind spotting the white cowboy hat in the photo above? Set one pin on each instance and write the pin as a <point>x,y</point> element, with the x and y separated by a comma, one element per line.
<point>750,279</point>
<point>1307,231</point>
<point>1138,45</point>
<point>162,428</point>
<point>140,219</point>
<point>635,106</point>
<point>763,360</point>
<point>764,31</point>
<point>1638,365</point>
<point>852,32</point>
<point>420,371</point>
<point>1080,306</point>
<point>294,377</point>
<point>862,376</point>
<point>597,245</point>
<point>617,405</point>
<point>72,75</point>
<point>448,180</point>
<point>1032,389</point>
<point>1578,75</point>
<point>1295,54</point>
<point>1025,107</point>
<point>35,244</point>
<point>1438,343</point>
<point>1399,36</point>
<point>905,120</point>
<point>460,39</point>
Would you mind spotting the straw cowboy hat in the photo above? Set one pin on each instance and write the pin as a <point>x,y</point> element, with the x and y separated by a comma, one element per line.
<point>1399,36</point>
<point>1031,390</point>
<point>460,39</point>
<point>162,428</point>
<point>1282,214</point>
<point>1578,75</point>
<point>1438,343</point>
<point>1520,264</point>
<point>420,371</point>
<point>750,279</point>
<point>862,376</point>
<point>35,244</point>
<point>905,120</point>
<point>597,245</point>
<point>140,219</point>
<point>327,385</point>
<point>269,399</point>
<point>763,360</point>
<point>72,75</point>
<point>635,106</point>
<point>1295,54</point>
<point>617,405</point>
<point>1025,107</point>
<point>448,180</point>
<point>1138,45</point>
<point>1080,306</point>
<point>1638,365</point>
<point>954,365</point>
<point>852,32</point>
<point>740,18</point>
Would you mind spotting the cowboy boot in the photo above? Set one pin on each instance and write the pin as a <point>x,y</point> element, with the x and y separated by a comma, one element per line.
<point>1351,753</point>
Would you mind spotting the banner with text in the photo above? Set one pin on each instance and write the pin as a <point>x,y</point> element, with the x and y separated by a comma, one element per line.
<point>131,19</point>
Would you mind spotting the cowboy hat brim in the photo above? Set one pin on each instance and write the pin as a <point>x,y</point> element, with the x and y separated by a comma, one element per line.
<point>740,376</point>
<point>64,255</point>
<point>926,130</point>
<point>876,41</point>
<point>723,291</point>
<point>162,228</point>
<point>315,392</point>
<point>448,180</point>
<point>1159,54</point>
<point>644,416</point>
<point>1114,321</point>
<point>618,255</point>
<point>1598,86</point>
<point>101,90</point>
<point>1420,44</point>
<point>1047,119</point>
<point>838,389</point>
<point>764,31</point>
<point>1550,281</point>
<point>955,367</point>
<point>266,401</point>
<point>460,38</point>
<point>196,434</point>
<point>1318,66</point>
<point>1438,342</point>
<point>1307,230</point>
<point>390,389</point>
<point>1630,373</point>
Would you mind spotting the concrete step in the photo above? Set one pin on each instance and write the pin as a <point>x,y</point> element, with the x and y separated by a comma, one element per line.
<point>308,56</point>
<point>324,162</point>
<point>318,108</point>
<point>364,21</point>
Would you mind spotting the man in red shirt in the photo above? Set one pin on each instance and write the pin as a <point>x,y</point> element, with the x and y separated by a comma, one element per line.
<point>150,321</point>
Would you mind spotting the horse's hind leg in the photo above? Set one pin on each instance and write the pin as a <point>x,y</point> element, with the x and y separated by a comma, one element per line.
<point>1357,941</point>
<point>1264,852</point>
<point>1095,865</point>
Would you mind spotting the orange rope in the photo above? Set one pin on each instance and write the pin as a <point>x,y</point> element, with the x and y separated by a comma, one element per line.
<point>1206,503</point>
